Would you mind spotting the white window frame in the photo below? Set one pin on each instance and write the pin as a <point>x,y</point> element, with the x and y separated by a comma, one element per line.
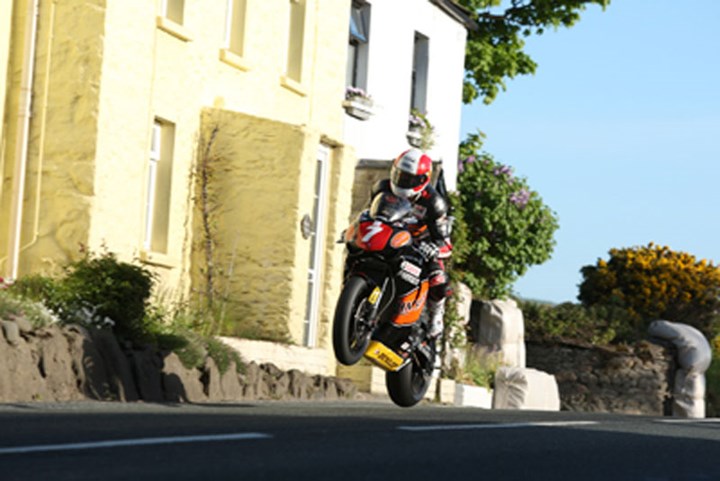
<point>420,72</point>
<point>155,239</point>
<point>296,55</point>
<point>166,12</point>
<point>357,59</point>
<point>231,26</point>
<point>153,161</point>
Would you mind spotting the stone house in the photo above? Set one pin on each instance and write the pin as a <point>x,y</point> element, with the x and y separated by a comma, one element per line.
<point>109,107</point>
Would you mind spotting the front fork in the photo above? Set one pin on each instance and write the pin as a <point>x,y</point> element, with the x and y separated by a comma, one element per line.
<point>375,300</point>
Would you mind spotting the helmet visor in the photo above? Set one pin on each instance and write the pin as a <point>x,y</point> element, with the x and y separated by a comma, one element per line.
<point>405,180</point>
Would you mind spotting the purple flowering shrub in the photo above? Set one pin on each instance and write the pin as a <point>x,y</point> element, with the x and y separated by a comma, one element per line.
<point>503,225</point>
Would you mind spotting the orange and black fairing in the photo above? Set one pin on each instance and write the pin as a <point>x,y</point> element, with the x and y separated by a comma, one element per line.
<point>411,305</point>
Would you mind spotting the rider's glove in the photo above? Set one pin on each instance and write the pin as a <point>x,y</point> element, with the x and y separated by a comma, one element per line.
<point>428,250</point>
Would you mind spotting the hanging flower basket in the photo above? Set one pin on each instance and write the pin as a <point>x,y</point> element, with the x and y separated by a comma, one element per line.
<point>414,136</point>
<point>358,103</point>
<point>357,109</point>
<point>421,133</point>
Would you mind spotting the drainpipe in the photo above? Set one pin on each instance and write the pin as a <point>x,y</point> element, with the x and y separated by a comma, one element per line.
<point>23,139</point>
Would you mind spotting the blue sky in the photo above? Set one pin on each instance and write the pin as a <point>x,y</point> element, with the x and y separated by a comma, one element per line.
<point>619,133</point>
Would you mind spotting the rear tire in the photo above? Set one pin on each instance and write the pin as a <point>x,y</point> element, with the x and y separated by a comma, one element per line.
<point>350,335</point>
<point>408,386</point>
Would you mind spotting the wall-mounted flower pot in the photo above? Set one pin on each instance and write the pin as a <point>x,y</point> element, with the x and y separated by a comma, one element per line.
<point>359,108</point>
<point>414,137</point>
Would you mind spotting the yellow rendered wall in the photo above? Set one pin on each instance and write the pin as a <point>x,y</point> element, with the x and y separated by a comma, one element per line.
<point>256,164</point>
<point>5,26</point>
<point>63,131</point>
<point>6,9</point>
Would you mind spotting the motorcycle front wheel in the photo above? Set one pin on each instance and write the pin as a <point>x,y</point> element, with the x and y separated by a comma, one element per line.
<point>351,332</point>
<point>408,386</point>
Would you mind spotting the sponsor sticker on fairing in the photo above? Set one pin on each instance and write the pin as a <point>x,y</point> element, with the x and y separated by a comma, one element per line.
<point>411,268</point>
<point>410,273</point>
<point>409,278</point>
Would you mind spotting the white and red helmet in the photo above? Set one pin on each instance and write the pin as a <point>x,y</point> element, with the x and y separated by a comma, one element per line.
<point>410,174</point>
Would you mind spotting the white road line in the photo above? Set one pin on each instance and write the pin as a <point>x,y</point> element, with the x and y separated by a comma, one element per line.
<point>458,427</point>
<point>119,443</point>
<point>690,421</point>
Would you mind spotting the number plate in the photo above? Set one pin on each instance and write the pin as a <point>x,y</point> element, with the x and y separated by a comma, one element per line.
<point>384,357</point>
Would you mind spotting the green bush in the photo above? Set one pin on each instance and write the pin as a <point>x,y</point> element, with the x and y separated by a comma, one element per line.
<point>34,287</point>
<point>574,322</point>
<point>100,291</point>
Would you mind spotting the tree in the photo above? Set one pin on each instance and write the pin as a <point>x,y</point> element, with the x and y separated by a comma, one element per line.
<point>494,51</point>
<point>654,282</point>
<point>503,227</point>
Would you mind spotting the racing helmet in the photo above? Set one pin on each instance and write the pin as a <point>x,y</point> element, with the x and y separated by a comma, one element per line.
<point>410,174</point>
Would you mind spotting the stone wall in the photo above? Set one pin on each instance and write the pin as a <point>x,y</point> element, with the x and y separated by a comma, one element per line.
<point>72,363</point>
<point>632,380</point>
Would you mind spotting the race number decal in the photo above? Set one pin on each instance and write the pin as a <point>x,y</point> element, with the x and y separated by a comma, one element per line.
<point>373,236</point>
<point>374,229</point>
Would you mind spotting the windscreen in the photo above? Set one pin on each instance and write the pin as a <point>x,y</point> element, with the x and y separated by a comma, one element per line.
<point>389,207</point>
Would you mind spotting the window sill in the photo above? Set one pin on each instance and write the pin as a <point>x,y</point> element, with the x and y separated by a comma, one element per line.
<point>293,86</point>
<point>233,59</point>
<point>174,29</point>
<point>157,259</point>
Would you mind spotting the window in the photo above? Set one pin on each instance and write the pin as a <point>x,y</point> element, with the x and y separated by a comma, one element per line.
<point>235,26</point>
<point>296,39</point>
<point>174,10</point>
<point>356,73</point>
<point>418,95</point>
<point>159,173</point>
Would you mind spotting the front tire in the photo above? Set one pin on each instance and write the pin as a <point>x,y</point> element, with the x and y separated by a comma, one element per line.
<point>351,333</point>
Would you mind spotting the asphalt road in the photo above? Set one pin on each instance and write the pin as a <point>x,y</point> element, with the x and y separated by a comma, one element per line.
<point>346,441</point>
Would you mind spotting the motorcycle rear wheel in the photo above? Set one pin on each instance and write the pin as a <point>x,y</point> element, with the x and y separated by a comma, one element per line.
<point>408,386</point>
<point>350,334</point>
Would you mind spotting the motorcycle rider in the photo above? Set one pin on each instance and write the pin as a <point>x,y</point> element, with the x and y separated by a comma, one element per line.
<point>410,179</point>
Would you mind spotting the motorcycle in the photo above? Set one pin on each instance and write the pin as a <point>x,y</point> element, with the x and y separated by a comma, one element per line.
<point>380,314</point>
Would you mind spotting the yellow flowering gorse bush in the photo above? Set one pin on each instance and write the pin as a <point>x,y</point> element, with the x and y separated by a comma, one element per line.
<point>654,282</point>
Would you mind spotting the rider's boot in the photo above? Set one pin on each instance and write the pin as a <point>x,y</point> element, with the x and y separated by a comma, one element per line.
<point>436,310</point>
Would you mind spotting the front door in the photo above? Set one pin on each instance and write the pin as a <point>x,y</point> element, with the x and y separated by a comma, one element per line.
<point>316,247</point>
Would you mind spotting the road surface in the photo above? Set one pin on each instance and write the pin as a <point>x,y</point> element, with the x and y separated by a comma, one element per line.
<point>346,441</point>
